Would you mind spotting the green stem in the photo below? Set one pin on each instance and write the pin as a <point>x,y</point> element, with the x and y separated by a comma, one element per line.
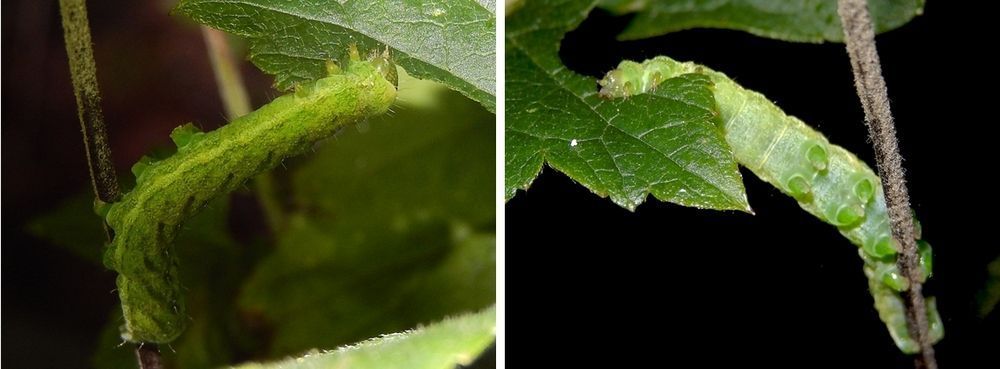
<point>227,75</point>
<point>234,96</point>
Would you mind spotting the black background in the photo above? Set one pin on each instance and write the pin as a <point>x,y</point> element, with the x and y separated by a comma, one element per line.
<point>668,284</point>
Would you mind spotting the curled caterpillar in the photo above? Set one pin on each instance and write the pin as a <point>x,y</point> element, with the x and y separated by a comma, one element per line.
<point>827,181</point>
<point>208,165</point>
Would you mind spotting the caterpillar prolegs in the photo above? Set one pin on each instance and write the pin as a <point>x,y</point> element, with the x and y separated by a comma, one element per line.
<point>208,165</point>
<point>826,180</point>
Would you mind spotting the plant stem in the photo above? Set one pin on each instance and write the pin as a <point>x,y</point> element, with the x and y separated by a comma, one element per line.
<point>227,74</point>
<point>148,356</point>
<point>88,99</point>
<point>83,69</point>
<point>859,34</point>
<point>234,96</point>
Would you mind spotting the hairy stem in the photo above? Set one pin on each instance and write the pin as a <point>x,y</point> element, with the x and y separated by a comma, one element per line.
<point>234,96</point>
<point>148,356</point>
<point>860,37</point>
<point>88,99</point>
<point>83,69</point>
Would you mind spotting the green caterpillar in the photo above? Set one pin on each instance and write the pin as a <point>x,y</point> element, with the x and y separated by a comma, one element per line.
<point>208,165</point>
<point>826,180</point>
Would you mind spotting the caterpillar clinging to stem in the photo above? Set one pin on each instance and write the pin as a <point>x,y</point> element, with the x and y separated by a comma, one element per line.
<point>827,181</point>
<point>208,165</point>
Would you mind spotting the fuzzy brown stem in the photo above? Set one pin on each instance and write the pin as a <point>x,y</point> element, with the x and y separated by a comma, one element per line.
<point>148,356</point>
<point>83,70</point>
<point>859,34</point>
<point>88,99</point>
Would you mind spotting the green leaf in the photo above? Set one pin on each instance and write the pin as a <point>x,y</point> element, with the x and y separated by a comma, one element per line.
<point>989,296</point>
<point>443,345</point>
<point>213,268</point>
<point>74,226</point>
<point>386,233</point>
<point>452,42</point>
<point>625,149</point>
<point>790,20</point>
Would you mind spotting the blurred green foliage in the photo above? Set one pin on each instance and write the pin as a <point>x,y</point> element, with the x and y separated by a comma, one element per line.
<point>388,225</point>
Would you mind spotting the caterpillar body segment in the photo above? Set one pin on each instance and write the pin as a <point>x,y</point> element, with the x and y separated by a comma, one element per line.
<point>208,165</point>
<point>826,180</point>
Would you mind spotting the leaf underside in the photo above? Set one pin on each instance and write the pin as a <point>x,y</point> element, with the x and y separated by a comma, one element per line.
<point>452,42</point>
<point>789,20</point>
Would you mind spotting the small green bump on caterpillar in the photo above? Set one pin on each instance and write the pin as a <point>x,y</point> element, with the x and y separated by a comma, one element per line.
<point>332,68</point>
<point>935,327</point>
<point>887,246</point>
<point>799,187</point>
<point>816,154</point>
<point>890,276</point>
<point>208,165</point>
<point>918,230</point>
<point>302,90</point>
<point>140,166</point>
<point>384,65</point>
<point>864,188</point>
<point>844,215</point>
<point>827,180</point>
<point>926,260</point>
<point>101,208</point>
<point>185,135</point>
<point>880,246</point>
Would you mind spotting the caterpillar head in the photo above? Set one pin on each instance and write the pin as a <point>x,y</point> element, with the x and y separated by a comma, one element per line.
<point>382,61</point>
<point>370,69</point>
<point>617,84</point>
<point>384,65</point>
<point>629,79</point>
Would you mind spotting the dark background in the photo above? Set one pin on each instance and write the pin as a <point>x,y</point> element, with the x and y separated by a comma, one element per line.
<point>668,284</point>
<point>154,74</point>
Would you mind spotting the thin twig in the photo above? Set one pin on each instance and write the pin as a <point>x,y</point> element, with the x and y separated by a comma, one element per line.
<point>83,69</point>
<point>234,95</point>
<point>88,99</point>
<point>859,35</point>
<point>227,75</point>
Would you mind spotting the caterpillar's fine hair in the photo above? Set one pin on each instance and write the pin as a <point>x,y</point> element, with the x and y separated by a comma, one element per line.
<point>826,180</point>
<point>209,165</point>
